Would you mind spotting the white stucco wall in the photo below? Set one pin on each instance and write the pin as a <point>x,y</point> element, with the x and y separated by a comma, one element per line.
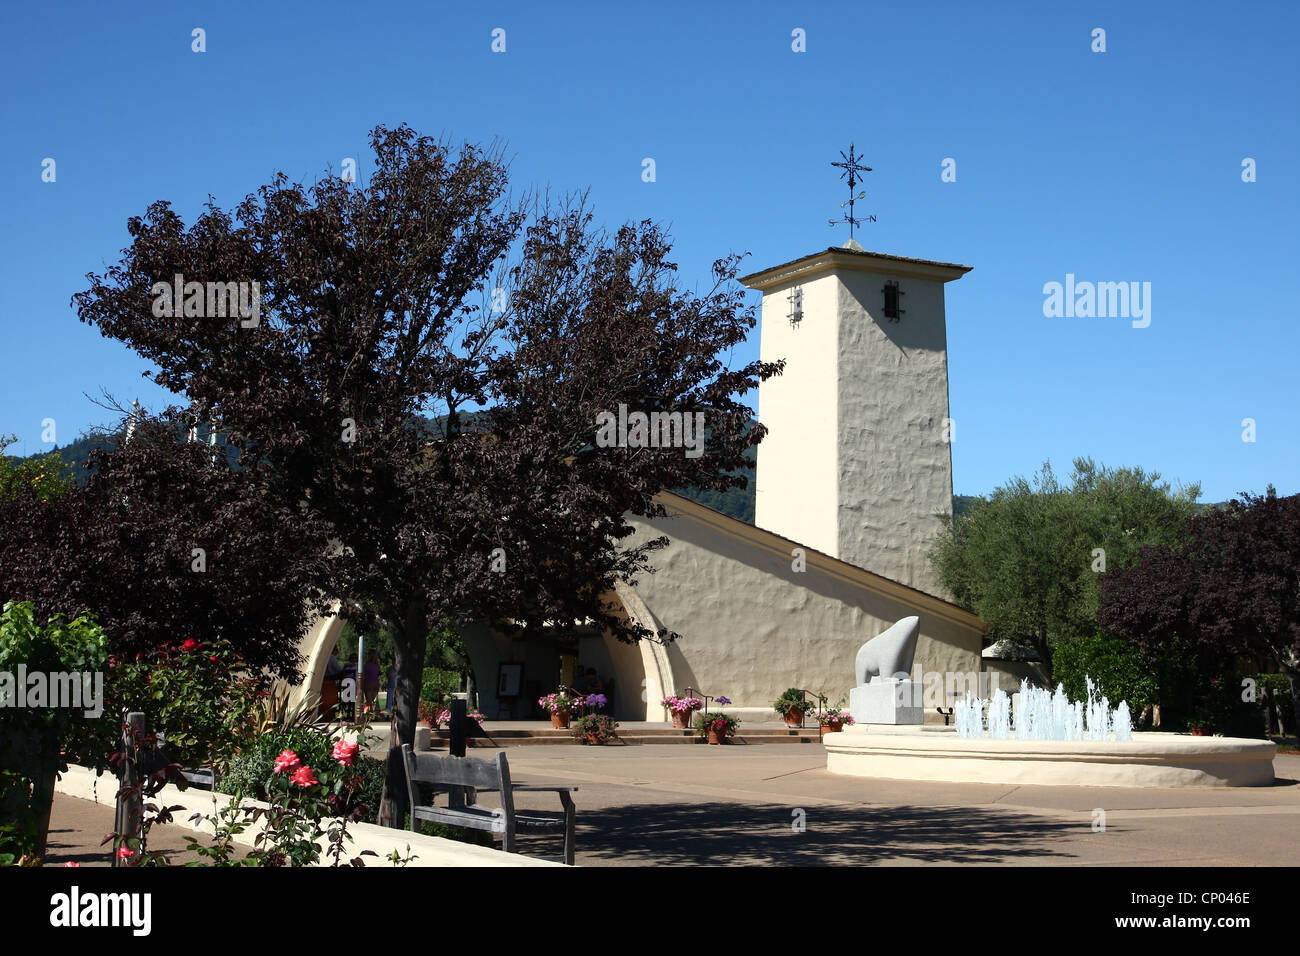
<point>895,469</point>
<point>751,626</point>
<point>797,479</point>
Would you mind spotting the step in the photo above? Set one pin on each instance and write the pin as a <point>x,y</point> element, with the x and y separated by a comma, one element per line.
<point>632,738</point>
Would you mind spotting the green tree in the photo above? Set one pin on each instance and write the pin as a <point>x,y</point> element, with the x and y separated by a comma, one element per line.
<point>43,476</point>
<point>1028,558</point>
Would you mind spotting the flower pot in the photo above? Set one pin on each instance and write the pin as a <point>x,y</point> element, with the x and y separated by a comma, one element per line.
<point>594,739</point>
<point>560,720</point>
<point>833,728</point>
<point>681,719</point>
<point>1200,730</point>
<point>794,717</point>
<point>717,736</point>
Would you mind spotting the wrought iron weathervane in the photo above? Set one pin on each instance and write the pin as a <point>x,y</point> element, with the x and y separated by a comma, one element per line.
<point>851,168</point>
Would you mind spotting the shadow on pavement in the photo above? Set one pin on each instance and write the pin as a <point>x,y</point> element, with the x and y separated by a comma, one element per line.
<point>723,834</point>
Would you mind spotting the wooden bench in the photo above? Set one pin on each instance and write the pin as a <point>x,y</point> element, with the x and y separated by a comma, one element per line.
<point>463,778</point>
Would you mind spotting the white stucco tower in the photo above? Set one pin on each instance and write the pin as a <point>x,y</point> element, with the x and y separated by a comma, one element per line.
<point>857,459</point>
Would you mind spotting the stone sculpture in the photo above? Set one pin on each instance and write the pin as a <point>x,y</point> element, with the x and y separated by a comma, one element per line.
<point>885,694</point>
<point>888,653</point>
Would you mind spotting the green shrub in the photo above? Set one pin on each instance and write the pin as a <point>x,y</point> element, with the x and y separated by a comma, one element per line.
<point>1118,669</point>
<point>252,768</point>
<point>197,695</point>
<point>1278,688</point>
<point>33,738</point>
<point>439,684</point>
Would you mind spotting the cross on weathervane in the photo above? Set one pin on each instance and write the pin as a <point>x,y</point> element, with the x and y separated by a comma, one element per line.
<point>851,168</point>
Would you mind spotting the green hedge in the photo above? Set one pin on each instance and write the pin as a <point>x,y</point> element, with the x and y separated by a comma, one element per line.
<point>1119,671</point>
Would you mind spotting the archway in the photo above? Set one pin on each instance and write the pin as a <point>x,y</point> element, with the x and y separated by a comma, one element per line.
<point>315,648</point>
<point>642,673</point>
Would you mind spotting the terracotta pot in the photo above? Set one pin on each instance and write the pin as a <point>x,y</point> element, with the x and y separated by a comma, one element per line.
<point>560,721</point>
<point>594,739</point>
<point>793,718</point>
<point>1199,730</point>
<point>832,728</point>
<point>717,736</point>
<point>682,718</point>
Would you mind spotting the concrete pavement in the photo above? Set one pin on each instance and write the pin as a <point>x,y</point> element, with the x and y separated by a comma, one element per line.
<point>776,805</point>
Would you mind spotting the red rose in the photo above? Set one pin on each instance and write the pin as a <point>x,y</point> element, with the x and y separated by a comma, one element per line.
<point>287,760</point>
<point>303,777</point>
<point>344,751</point>
<point>191,644</point>
<point>213,658</point>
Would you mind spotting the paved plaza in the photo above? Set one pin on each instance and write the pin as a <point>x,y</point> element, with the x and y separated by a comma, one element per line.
<point>775,804</point>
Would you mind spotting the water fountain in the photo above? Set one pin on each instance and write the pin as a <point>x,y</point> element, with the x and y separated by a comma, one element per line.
<point>1041,737</point>
<point>1042,715</point>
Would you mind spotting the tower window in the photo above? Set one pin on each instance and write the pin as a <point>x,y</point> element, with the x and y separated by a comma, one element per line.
<point>796,307</point>
<point>893,301</point>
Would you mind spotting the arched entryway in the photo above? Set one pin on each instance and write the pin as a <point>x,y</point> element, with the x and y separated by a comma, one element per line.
<point>641,675</point>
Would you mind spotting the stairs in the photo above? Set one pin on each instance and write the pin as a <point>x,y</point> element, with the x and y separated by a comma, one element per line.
<point>628,735</point>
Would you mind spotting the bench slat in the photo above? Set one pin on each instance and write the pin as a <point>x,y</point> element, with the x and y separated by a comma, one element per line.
<point>458,771</point>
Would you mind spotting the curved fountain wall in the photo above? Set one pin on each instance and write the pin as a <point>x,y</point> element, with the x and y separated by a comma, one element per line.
<point>1046,739</point>
<point>1148,760</point>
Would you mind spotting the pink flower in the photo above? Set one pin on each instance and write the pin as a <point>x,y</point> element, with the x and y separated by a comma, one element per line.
<point>303,777</point>
<point>72,863</point>
<point>344,751</point>
<point>288,760</point>
<point>124,852</point>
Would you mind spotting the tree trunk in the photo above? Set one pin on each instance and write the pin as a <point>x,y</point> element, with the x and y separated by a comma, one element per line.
<point>1045,652</point>
<point>410,633</point>
<point>43,806</point>
<point>1293,675</point>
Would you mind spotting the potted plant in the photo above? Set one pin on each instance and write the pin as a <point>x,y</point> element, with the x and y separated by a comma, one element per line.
<point>833,719</point>
<point>559,705</point>
<point>681,709</point>
<point>595,728</point>
<point>791,706</point>
<point>475,721</point>
<point>716,727</point>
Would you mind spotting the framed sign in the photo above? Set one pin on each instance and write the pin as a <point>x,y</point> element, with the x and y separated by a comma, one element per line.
<point>509,677</point>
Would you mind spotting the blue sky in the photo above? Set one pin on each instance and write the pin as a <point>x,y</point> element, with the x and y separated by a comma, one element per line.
<point>1117,166</point>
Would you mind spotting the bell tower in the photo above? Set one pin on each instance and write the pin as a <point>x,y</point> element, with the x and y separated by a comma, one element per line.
<point>858,458</point>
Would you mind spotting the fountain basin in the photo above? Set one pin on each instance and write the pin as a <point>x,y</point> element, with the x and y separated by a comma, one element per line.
<point>1149,760</point>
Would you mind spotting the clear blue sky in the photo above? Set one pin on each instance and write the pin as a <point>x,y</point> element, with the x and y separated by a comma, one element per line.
<point>1115,166</point>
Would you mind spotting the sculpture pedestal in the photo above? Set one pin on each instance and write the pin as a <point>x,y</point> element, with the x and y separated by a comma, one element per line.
<point>887,702</point>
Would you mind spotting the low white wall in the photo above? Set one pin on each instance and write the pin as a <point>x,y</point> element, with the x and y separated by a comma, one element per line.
<point>1148,760</point>
<point>429,851</point>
